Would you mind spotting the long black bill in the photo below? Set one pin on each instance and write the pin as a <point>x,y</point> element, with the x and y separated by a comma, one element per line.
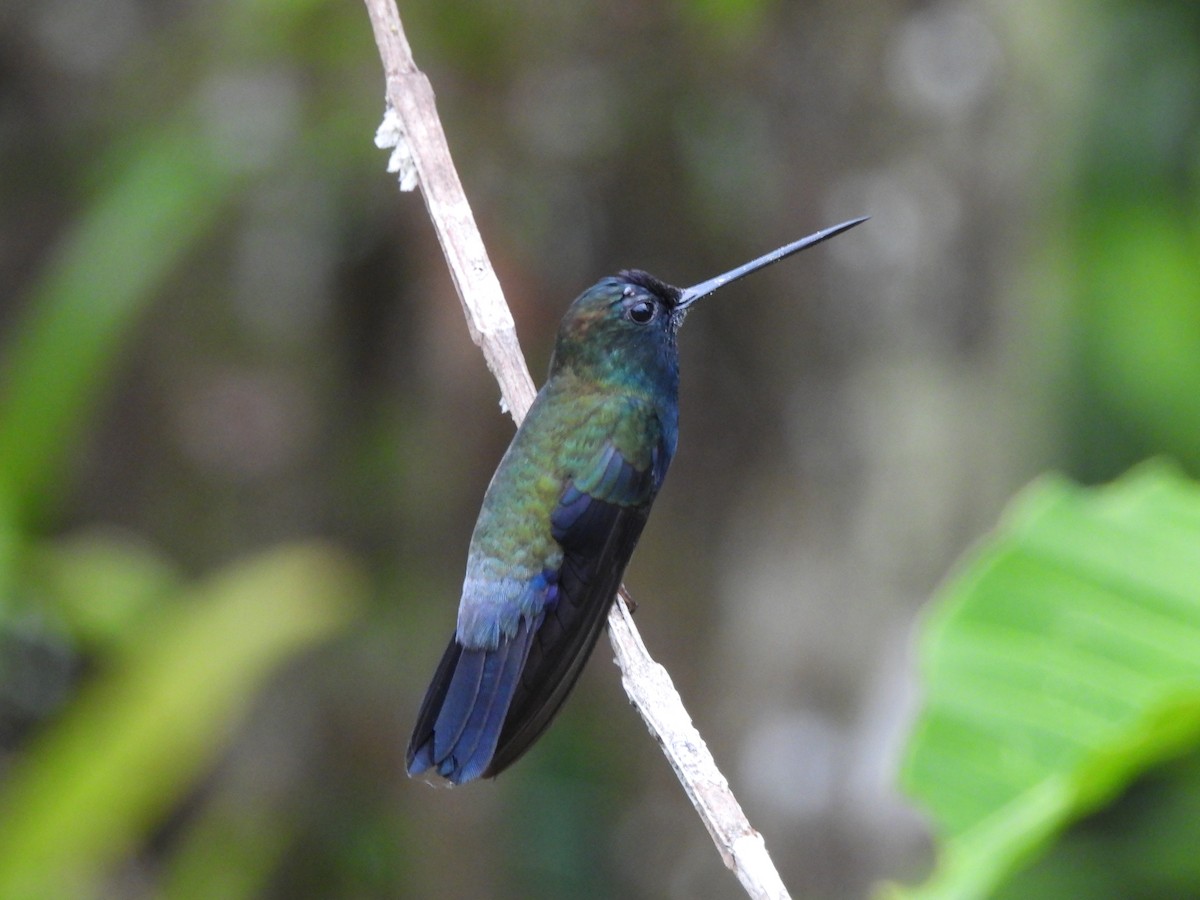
<point>704,288</point>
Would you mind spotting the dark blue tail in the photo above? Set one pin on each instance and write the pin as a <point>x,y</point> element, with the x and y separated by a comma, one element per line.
<point>459,723</point>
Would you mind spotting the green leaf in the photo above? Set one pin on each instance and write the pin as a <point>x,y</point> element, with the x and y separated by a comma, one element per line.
<point>88,790</point>
<point>11,542</point>
<point>1141,325</point>
<point>102,583</point>
<point>231,849</point>
<point>102,276</point>
<point>1059,664</point>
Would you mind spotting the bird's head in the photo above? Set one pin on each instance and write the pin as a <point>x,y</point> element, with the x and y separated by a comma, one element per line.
<point>624,327</point>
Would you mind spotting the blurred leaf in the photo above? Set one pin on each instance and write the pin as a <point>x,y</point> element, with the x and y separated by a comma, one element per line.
<point>135,740</point>
<point>229,852</point>
<point>10,541</point>
<point>102,583</point>
<point>1062,662</point>
<point>729,19</point>
<point>1143,319</point>
<point>101,278</point>
<point>1142,845</point>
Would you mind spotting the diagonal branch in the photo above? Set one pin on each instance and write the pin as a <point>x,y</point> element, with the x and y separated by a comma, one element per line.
<point>422,145</point>
<point>421,155</point>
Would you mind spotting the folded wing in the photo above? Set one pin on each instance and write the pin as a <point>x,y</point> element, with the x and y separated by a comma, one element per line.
<point>497,688</point>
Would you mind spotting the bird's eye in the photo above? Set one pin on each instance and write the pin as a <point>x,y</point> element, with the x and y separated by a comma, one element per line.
<point>642,312</point>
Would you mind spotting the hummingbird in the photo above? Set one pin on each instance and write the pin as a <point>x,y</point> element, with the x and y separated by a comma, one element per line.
<point>560,520</point>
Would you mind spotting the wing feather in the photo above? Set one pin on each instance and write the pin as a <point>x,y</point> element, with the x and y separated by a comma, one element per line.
<point>597,532</point>
<point>524,636</point>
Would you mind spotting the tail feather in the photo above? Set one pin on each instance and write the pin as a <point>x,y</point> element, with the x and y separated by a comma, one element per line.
<point>587,587</point>
<point>420,747</point>
<point>460,720</point>
<point>489,712</point>
<point>466,688</point>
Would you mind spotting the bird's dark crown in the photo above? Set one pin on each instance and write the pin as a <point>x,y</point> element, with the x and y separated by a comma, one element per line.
<point>667,293</point>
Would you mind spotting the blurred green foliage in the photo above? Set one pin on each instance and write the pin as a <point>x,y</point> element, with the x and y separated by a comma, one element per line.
<point>1133,248</point>
<point>223,334</point>
<point>176,665</point>
<point>104,274</point>
<point>172,665</point>
<point>1058,666</point>
<point>132,745</point>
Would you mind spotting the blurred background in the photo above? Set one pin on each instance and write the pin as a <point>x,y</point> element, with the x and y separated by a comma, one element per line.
<point>244,433</point>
